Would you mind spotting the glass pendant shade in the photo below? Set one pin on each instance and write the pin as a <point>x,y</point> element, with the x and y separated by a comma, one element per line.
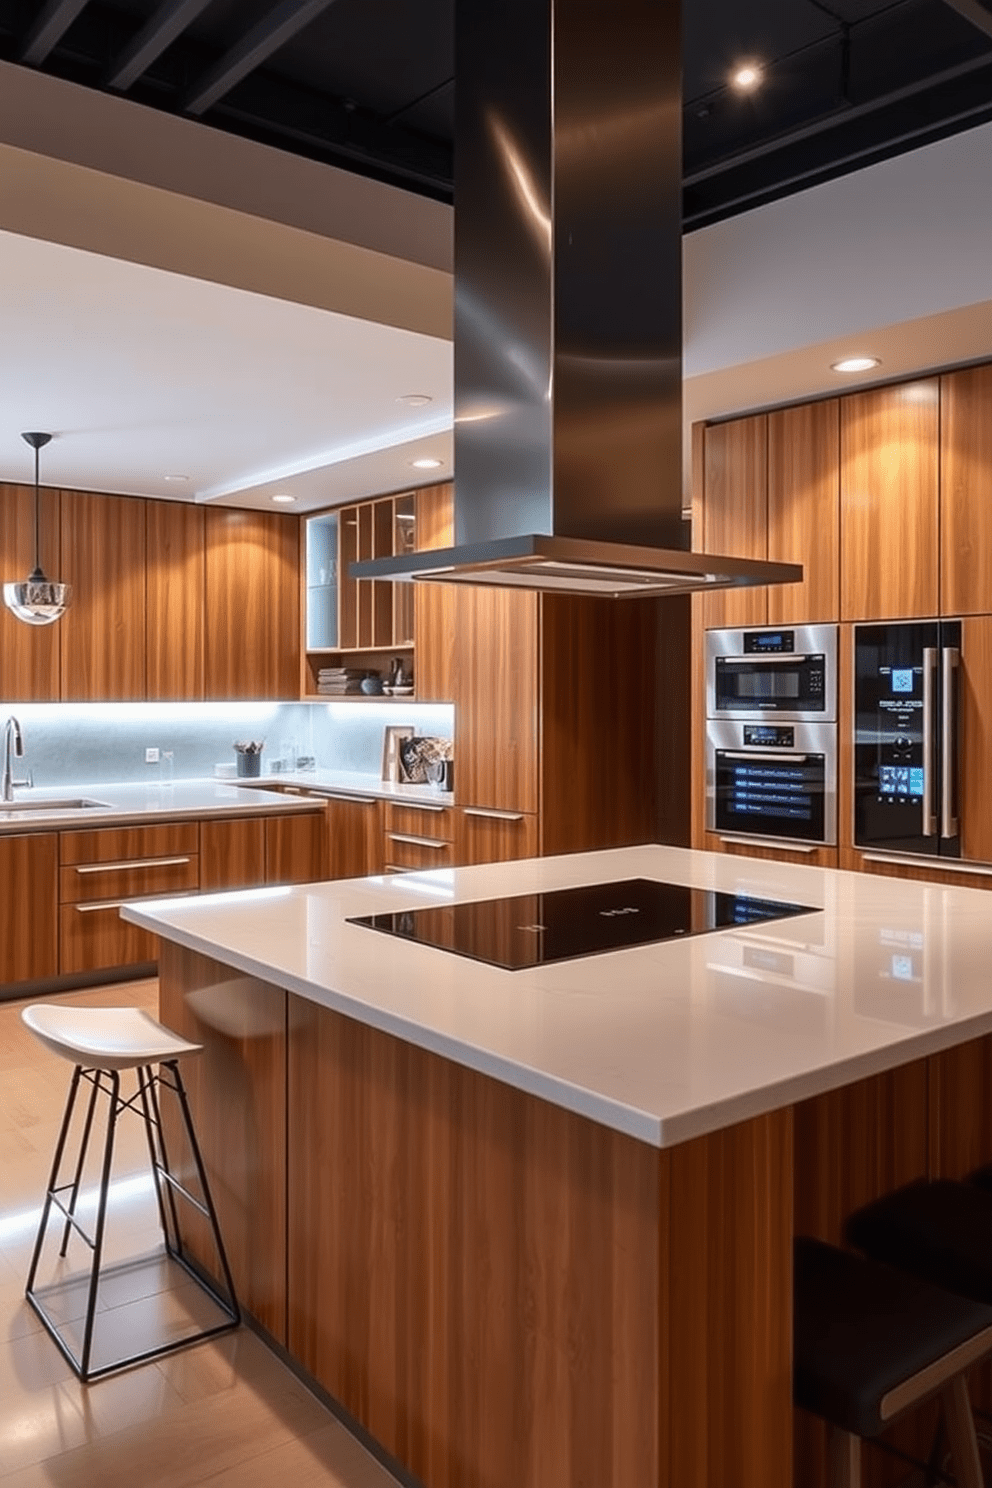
<point>37,600</point>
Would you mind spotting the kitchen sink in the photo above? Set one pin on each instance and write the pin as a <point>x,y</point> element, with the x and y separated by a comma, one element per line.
<point>52,803</point>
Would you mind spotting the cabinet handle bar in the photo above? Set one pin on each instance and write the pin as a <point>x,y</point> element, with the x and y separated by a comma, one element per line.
<point>125,867</point>
<point>494,815</point>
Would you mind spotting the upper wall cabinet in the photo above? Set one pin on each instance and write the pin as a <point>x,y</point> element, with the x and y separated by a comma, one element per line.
<point>252,634</point>
<point>102,634</point>
<point>735,512</point>
<point>30,670</point>
<point>889,471</point>
<point>804,510</point>
<point>174,600</point>
<point>966,492</point>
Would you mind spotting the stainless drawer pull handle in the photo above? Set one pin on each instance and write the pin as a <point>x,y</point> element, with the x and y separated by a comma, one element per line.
<point>776,842</point>
<point>96,904</point>
<point>417,806</point>
<point>329,795</point>
<point>133,863</point>
<point>103,904</point>
<point>494,815</point>
<point>417,841</point>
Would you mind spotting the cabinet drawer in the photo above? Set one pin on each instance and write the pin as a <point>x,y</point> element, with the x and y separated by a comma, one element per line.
<point>411,850</point>
<point>418,820</point>
<point>93,937</point>
<point>119,844</point>
<point>128,878</point>
<point>486,836</point>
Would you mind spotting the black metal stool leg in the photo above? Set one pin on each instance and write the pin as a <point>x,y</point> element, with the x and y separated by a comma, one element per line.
<point>156,1156</point>
<point>84,1143</point>
<point>201,1172</point>
<point>101,1217</point>
<point>53,1177</point>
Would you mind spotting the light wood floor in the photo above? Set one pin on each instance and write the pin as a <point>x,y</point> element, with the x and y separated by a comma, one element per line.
<point>226,1413</point>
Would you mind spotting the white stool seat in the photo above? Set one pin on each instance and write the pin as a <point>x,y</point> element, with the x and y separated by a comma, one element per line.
<point>104,1038</point>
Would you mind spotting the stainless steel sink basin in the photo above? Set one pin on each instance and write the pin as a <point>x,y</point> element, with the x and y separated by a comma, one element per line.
<point>51,803</point>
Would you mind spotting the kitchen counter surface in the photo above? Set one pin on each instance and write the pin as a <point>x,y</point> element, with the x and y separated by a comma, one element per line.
<point>127,804</point>
<point>353,783</point>
<point>663,1042</point>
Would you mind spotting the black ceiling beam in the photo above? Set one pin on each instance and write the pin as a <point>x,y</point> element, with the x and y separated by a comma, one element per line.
<point>49,29</point>
<point>254,48</point>
<point>975,12</point>
<point>159,32</point>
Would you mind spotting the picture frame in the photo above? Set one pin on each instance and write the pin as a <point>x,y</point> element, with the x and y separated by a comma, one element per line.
<point>391,736</point>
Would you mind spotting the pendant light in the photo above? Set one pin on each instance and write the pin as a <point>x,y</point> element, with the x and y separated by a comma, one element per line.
<point>38,600</point>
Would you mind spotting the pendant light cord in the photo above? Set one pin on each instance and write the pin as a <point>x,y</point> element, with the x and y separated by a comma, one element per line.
<point>37,515</point>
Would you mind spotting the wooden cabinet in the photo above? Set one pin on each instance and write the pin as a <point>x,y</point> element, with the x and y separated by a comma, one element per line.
<point>804,510</point>
<point>966,491</point>
<point>102,634</point>
<point>28,906</point>
<point>232,852</point>
<point>735,512</point>
<point>296,848</point>
<point>495,836</point>
<point>975,738</point>
<point>497,705</point>
<point>354,836</point>
<point>435,605</point>
<point>889,470</point>
<point>174,599</point>
<point>252,638</point>
<point>417,835</point>
<point>30,652</point>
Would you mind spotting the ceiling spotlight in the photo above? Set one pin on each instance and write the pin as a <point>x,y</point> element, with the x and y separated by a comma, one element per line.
<point>416,400</point>
<point>284,499</point>
<point>747,77</point>
<point>38,600</point>
<point>426,464</point>
<point>855,364</point>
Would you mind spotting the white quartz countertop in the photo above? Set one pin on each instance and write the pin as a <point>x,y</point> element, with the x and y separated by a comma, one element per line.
<point>664,1042</point>
<point>117,805</point>
<point>353,783</point>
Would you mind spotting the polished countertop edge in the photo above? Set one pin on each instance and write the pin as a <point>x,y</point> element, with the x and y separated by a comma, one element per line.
<point>858,1040</point>
<point>188,799</point>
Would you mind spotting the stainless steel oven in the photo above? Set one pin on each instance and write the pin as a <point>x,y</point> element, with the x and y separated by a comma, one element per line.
<point>772,780</point>
<point>785,672</point>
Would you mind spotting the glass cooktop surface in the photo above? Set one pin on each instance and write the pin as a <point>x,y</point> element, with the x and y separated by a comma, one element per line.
<point>531,930</point>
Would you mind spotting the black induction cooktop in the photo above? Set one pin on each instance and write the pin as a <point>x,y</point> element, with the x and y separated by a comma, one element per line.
<point>530,930</point>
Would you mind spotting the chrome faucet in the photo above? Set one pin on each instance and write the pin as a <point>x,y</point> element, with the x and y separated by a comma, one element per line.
<point>12,732</point>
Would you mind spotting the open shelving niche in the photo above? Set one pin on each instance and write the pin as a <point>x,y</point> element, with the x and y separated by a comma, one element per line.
<point>360,623</point>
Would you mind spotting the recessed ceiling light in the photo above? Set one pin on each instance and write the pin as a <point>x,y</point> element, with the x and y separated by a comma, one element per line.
<point>176,477</point>
<point>747,77</point>
<point>855,364</point>
<point>284,499</point>
<point>416,400</point>
<point>426,464</point>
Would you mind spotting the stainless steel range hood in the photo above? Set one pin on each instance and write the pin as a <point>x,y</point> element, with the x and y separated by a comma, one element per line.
<point>568,306</point>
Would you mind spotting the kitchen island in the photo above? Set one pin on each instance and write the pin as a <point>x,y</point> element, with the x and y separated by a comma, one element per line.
<point>534,1227</point>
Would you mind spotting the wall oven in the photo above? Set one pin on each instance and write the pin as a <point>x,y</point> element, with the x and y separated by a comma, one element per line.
<point>772,780</point>
<point>788,673</point>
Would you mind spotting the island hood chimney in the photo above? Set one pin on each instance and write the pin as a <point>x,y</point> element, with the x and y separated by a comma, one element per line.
<point>568,306</point>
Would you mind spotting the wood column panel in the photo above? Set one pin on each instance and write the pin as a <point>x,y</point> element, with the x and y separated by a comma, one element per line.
<point>252,638</point>
<point>31,653</point>
<point>237,1094</point>
<point>735,512</point>
<point>174,578</point>
<point>966,491</point>
<point>804,510</point>
<point>296,848</point>
<point>435,608</point>
<point>102,634</point>
<point>889,473</point>
<point>232,853</point>
<point>497,718</point>
<point>28,906</point>
<point>975,737</point>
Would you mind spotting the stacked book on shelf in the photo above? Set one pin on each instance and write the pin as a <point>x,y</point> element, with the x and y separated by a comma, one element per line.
<point>339,681</point>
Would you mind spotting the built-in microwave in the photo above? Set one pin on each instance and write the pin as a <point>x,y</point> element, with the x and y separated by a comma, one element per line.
<point>787,672</point>
<point>772,780</point>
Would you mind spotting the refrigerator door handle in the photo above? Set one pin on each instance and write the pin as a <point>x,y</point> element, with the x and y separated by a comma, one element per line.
<point>929,825</point>
<point>950,660</point>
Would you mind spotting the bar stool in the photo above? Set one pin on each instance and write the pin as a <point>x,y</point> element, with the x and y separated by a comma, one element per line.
<point>939,1230</point>
<point>101,1043</point>
<point>871,1342</point>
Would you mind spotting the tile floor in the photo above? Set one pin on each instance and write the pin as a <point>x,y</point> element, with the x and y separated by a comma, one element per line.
<point>225,1413</point>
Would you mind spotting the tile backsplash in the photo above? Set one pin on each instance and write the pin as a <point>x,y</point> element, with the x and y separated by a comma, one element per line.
<point>82,743</point>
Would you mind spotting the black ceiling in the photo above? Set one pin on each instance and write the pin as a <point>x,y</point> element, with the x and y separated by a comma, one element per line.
<point>368,84</point>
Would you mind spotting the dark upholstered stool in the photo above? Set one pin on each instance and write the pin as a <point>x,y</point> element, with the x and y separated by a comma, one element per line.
<point>941,1231</point>
<point>871,1342</point>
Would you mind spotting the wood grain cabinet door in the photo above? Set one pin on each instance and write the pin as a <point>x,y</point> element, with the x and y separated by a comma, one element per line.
<point>497,704</point>
<point>30,652</point>
<point>102,634</point>
<point>354,836</point>
<point>966,492</point>
<point>804,510</point>
<point>252,617</point>
<point>28,907</point>
<point>435,605</point>
<point>296,848</point>
<point>735,512</point>
<point>494,836</point>
<point>889,502</point>
<point>232,853</point>
<point>174,600</point>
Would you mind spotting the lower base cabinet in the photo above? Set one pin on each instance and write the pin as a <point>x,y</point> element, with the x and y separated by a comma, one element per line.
<point>29,945</point>
<point>354,836</point>
<point>485,836</point>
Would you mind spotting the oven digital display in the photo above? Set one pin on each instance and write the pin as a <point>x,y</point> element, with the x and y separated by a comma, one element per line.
<point>766,737</point>
<point>759,642</point>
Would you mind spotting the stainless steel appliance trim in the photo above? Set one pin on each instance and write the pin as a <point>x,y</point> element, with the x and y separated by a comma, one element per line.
<point>811,738</point>
<point>928,860</point>
<point>495,815</point>
<point>124,867</point>
<point>436,843</point>
<point>789,842</point>
<point>950,660</point>
<point>929,825</point>
<point>810,640</point>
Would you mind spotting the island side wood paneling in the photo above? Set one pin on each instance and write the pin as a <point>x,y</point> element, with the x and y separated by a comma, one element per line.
<point>30,652</point>
<point>237,1094</point>
<point>174,577</point>
<point>735,514</point>
<point>804,510</point>
<point>889,502</point>
<point>966,492</point>
<point>102,634</point>
<point>251,645</point>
